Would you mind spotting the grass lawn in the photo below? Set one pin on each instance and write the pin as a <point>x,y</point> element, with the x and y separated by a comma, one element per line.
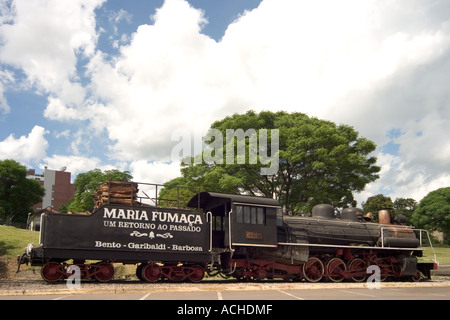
<point>442,254</point>
<point>13,241</point>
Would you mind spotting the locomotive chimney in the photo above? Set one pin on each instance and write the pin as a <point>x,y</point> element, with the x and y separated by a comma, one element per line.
<point>384,216</point>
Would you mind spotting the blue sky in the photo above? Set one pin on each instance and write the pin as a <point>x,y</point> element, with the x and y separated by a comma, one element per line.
<point>105,84</point>
<point>114,19</point>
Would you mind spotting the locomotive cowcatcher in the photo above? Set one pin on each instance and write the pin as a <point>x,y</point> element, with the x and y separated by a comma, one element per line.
<point>243,237</point>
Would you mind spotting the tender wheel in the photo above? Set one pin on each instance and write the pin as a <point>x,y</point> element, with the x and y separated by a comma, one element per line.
<point>197,274</point>
<point>313,270</point>
<point>151,273</point>
<point>105,272</point>
<point>358,268</point>
<point>139,271</point>
<point>336,267</point>
<point>52,272</point>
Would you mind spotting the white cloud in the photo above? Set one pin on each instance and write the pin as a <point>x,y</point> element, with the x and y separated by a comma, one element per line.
<point>376,65</point>
<point>154,171</point>
<point>74,164</point>
<point>156,85</point>
<point>370,64</point>
<point>6,77</point>
<point>116,17</point>
<point>57,110</point>
<point>4,107</point>
<point>46,38</point>
<point>269,58</point>
<point>26,148</point>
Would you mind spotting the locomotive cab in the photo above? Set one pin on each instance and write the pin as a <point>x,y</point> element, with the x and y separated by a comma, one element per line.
<point>239,220</point>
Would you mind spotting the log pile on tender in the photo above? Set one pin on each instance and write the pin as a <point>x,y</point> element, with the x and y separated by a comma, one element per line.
<point>116,192</point>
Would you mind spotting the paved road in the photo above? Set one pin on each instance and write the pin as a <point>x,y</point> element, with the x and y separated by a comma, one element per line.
<point>340,293</point>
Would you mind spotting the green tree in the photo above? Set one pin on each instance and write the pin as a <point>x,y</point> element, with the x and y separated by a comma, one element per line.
<point>319,161</point>
<point>376,203</point>
<point>405,206</point>
<point>176,193</point>
<point>17,193</point>
<point>433,211</point>
<point>87,183</point>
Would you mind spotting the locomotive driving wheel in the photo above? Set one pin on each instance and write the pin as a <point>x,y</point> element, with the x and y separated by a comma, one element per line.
<point>336,267</point>
<point>357,268</point>
<point>313,270</point>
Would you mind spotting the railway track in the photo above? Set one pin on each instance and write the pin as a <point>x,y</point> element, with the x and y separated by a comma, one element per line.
<point>37,287</point>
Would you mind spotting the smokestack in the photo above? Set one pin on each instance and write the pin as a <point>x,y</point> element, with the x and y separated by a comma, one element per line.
<point>384,216</point>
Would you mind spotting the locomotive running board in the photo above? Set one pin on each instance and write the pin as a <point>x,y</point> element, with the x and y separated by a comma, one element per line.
<point>343,246</point>
<point>255,245</point>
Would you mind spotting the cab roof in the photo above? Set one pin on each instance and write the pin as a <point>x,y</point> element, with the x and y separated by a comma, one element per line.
<point>207,200</point>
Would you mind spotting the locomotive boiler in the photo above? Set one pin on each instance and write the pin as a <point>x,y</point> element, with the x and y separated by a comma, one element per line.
<point>243,237</point>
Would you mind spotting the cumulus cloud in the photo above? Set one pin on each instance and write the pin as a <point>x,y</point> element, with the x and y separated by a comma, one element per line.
<point>45,39</point>
<point>25,148</point>
<point>376,65</point>
<point>370,64</point>
<point>154,171</point>
<point>5,78</point>
<point>76,164</point>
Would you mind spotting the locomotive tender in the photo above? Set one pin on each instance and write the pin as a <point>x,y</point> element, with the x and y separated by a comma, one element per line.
<point>238,236</point>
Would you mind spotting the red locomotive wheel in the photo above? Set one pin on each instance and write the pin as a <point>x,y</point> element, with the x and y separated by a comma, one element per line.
<point>357,268</point>
<point>197,274</point>
<point>151,273</point>
<point>313,270</point>
<point>52,272</point>
<point>105,272</point>
<point>417,277</point>
<point>336,267</point>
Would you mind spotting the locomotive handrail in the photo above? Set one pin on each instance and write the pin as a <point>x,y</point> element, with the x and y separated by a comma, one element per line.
<point>229,230</point>
<point>405,228</point>
<point>209,218</point>
<point>154,187</point>
<point>429,241</point>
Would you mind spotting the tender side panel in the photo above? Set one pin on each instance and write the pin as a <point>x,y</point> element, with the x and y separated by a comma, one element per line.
<point>127,233</point>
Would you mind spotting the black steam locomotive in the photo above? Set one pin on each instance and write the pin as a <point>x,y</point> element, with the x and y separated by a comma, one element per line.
<point>236,236</point>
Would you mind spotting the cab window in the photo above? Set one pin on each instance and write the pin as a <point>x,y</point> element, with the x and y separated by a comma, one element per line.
<point>250,215</point>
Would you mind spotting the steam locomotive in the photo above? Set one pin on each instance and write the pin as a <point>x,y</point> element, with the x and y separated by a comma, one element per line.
<point>243,237</point>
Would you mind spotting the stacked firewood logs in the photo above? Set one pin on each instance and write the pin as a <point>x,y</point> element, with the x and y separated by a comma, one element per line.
<point>116,192</point>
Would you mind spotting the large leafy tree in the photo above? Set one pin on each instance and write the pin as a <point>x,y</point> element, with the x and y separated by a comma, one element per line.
<point>86,185</point>
<point>376,203</point>
<point>433,211</point>
<point>18,194</point>
<point>177,193</point>
<point>318,161</point>
<point>405,206</point>
<point>401,206</point>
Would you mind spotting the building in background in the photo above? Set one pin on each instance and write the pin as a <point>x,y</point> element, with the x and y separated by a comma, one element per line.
<point>58,190</point>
